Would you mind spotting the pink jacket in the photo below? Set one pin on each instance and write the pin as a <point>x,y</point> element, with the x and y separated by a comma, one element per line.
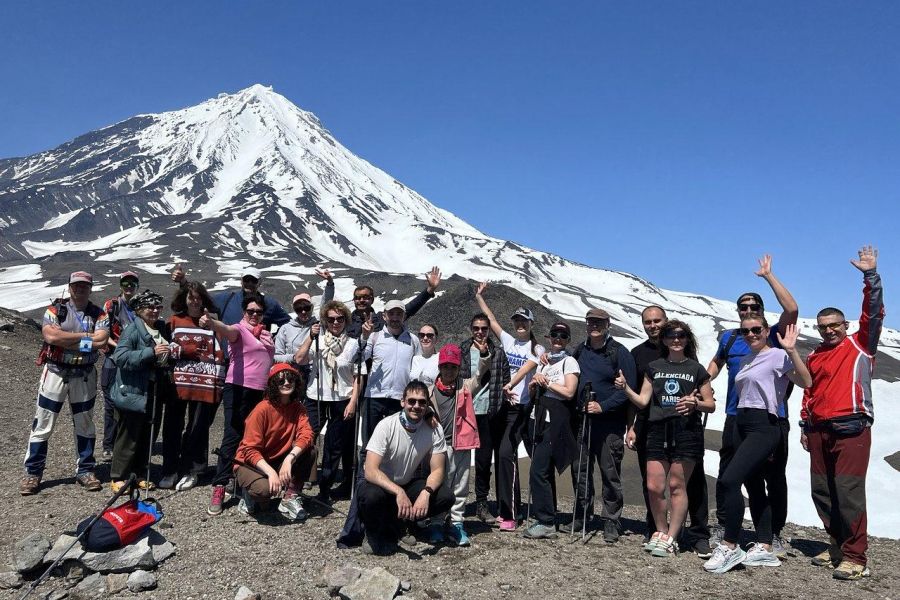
<point>465,428</point>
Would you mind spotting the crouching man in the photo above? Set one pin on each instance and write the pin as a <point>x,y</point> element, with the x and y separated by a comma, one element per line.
<point>396,492</point>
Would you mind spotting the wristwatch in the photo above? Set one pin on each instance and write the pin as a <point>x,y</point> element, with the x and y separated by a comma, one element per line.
<point>429,490</point>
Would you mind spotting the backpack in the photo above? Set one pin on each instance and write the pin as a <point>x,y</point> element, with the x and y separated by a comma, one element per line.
<point>51,353</point>
<point>117,527</point>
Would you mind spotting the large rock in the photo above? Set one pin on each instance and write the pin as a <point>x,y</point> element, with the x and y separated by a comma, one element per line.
<point>28,553</point>
<point>138,555</point>
<point>337,577</point>
<point>90,588</point>
<point>245,593</point>
<point>10,580</point>
<point>141,580</point>
<point>373,584</point>
<point>61,543</point>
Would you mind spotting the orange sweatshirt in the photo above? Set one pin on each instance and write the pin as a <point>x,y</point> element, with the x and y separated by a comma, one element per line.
<point>272,430</point>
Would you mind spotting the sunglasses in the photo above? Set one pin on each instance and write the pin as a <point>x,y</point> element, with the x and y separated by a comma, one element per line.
<point>559,335</point>
<point>678,334</point>
<point>339,319</point>
<point>285,378</point>
<point>253,311</point>
<point>596,323</point>
<point>250,280</point>
<point>831,326</point>
<point>423,402</point>
<point>756,330</point>
<point>746,307</point>
<point>303,307</point>
<point>474,328</point>
<point>128,285</point>
<point>364,297</point>
<point>426,336</point>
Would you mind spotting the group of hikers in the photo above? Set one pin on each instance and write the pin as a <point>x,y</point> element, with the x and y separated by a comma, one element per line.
<point>423,411</point>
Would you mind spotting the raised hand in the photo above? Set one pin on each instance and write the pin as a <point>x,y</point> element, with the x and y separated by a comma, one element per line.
<point>205,319</point>
<point>789,340</point>
<point>433,278</point>
<point>482,345</point>
<point>367,326</point>
<point>178,273</point>
<point>868,259</point>
<point>481,287</point>
<point>765,266</point>
<point>324,274</point>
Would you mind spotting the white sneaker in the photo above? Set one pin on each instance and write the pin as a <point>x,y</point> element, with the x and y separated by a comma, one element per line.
<point>292,509</point>
<point>716,533</point>
<point>186,483</point>
<point>758,556</point>
<point>778,547</point>
<point>724,559</point>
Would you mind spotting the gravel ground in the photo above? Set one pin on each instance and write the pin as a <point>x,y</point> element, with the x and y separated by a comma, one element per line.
<point>217,555</point>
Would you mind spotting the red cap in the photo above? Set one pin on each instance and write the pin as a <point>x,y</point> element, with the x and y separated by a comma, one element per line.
<point>81,277</point>
<point>450,354</point>
<point>279,367</point>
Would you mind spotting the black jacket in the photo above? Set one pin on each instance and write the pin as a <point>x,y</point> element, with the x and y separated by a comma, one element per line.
<point>358,317</point>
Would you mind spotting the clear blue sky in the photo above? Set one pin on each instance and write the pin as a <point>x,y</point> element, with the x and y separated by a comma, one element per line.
<point>675,140</point>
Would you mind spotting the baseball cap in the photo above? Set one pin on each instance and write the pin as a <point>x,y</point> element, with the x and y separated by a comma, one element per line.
<point>524,313</point>
<point>560,326</point>
<point>81,276</point>
<point>597,313</point>
<point>251,272</point>
<point>301,296</point>
<point>756,298</point>
<point>450,354</point>
<point>394,304</point>
<point>129,275</point>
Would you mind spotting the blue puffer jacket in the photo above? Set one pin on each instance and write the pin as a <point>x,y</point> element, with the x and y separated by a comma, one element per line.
<point>136,362</point>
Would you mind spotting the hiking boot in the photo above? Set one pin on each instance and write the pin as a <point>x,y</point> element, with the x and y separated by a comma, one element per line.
<point>377,547</point>
<point>106,456</point>
<point>830,558</point>
<point>216,501</point>
<point>665,547</point>
<point>701,548</point>
<point>539,531</point>
<point>89,481</point>
<point>229,491</point>
<point>483,512</point>
<point>758,556</point>
<point>507,524</point>
<point>576,525</point>
<point>435,533</point>
<point>292,509</point>
<point>778,547</point>
<point>610,531</point>
<point>724,559</point>
<point>30,485</point>
<point>716,534</point>
<point>185,483</point>
<point>168,482</point>
<point>457,534</point>
<point>341,492</point>
<point>850,571</point>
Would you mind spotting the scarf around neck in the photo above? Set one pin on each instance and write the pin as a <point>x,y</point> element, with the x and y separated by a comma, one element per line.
<point>408,425</point>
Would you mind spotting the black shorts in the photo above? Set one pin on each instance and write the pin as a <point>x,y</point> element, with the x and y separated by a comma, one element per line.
<point>675,440</point>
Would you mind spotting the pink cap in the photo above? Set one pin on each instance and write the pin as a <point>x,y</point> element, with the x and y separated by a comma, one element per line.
<point>81,276</point>
<point>301,296</point>
<point>450,354</point>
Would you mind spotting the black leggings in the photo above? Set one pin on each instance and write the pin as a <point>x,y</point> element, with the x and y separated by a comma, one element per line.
<point>756,435</point>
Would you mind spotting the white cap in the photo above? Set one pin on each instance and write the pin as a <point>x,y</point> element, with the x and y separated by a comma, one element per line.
<point>251,272</point>
<point>394,304</point>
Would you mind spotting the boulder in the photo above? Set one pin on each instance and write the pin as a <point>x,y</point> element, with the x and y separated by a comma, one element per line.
<point>245,593</point>
<point>138,555</point>
<point>337,577</point>
<point>162,551</point>
<point>373,584</point>
<point>10,580</point>
<point>61,543</point>
<point>90,588</point>
<point>141,580</point>
<point>28,553</point>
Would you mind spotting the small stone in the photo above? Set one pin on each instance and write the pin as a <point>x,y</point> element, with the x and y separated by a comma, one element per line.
<point>373,584</point>
<point>163,551</point>
<point>90,588</point>
<point>73,571</point>
<point>28,553</point>
<point>10,580</point>
<point>57,595</point>
<point>116,582</point>
<point>5,348</point>
<point>405,585</point>
<point>433,594</point>
<point>505,587</point>
<point>245,593</point>
<point>141,580</point>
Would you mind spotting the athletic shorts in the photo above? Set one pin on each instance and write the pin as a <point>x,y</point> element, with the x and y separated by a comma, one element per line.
<point>675,440</point>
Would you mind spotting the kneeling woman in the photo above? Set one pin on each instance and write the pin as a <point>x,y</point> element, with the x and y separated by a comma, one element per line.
<point>277,450</point>
<point>761,385</point>
<point>677,388</point>
<point>143,383</point>
<point>552,389</point>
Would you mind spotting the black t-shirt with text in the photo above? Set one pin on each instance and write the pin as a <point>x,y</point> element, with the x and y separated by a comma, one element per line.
<point>671,381</point>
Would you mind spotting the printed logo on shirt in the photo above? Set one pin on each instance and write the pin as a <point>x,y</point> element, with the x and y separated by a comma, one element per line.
<point>670,398</point>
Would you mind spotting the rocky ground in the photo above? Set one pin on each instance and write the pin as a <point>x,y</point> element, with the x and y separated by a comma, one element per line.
<point>216,556</point>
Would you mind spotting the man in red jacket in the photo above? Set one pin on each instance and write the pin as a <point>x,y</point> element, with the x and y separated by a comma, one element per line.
<point>836,420</point>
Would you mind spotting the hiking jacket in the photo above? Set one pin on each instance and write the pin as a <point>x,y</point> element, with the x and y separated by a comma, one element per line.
<point>465,427</point>
<point>496,377</point>
<point>599,369</point>
<point>358,317</point>
<point>136,364</point>
<point>842,374</point>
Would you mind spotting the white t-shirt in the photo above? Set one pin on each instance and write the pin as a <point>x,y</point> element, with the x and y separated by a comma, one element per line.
<point>556,373</point>
<point>424,369</point>
<point>519,353</point>
<point>402,452</point>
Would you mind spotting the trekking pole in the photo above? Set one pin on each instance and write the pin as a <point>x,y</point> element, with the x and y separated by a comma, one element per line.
<point>535,406</point>
<point>150,450</point>
<point>130,483</point>
<point>578,477</point>
<point>357,418</point>
<point>262,473</point>
<point>588,483</point>
<point>318,398</point>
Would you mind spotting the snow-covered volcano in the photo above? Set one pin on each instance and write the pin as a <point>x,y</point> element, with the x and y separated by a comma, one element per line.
<point>250,178</point>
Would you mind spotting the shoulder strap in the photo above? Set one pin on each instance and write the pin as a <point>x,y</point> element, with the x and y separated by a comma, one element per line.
<point>612,353</point>
<point>730,342</point>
